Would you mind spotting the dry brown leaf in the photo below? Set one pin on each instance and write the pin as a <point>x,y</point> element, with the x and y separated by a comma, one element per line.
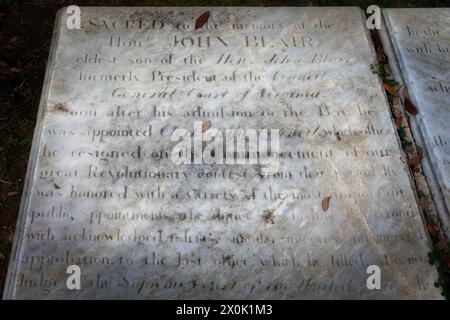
<point>405,92</point>
<point>11,194</point>
<point>381,57</point>
<point>326,203</point>
<point>390,89</point>
<point>423,203</point>
<point>2,256</point>
<point>432,230</point>
<point>201,20</point>
<point>409,106</point>
<point>387,69</point>
<point>206,125</point>
<point>399,121</point>
<point>376,39</point>
<point>413,163</point>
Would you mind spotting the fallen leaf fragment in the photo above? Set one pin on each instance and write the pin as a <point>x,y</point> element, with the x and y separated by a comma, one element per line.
<point>376,39</point>
<point>387,69</point>
<point>2,256</point>
<point>413,163</point>
<point>390,89</point>
<point>381,57</point>
<point>409,106</point>
<point>201,20</point>
<point>423,203</point>
<point>399,121</point>
<point>206,125</point>
<point>11,194</point>
<point>432,230</point>
<point>326,203</point>
<point>405,92</point>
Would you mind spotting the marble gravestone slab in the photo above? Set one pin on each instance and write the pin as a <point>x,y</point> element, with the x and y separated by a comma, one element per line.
<point>103,192</point>
<point>421,42</point>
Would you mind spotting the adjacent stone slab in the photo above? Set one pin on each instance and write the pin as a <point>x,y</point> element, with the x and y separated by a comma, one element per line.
<point>421,41</point>
<point>103,192</point>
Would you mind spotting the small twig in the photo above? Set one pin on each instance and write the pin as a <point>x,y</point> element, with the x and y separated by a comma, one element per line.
<point>4,181</point>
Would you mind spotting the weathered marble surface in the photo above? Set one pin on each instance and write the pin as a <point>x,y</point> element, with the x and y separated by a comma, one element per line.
<point>239,235</point>
<point>421,41</point>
